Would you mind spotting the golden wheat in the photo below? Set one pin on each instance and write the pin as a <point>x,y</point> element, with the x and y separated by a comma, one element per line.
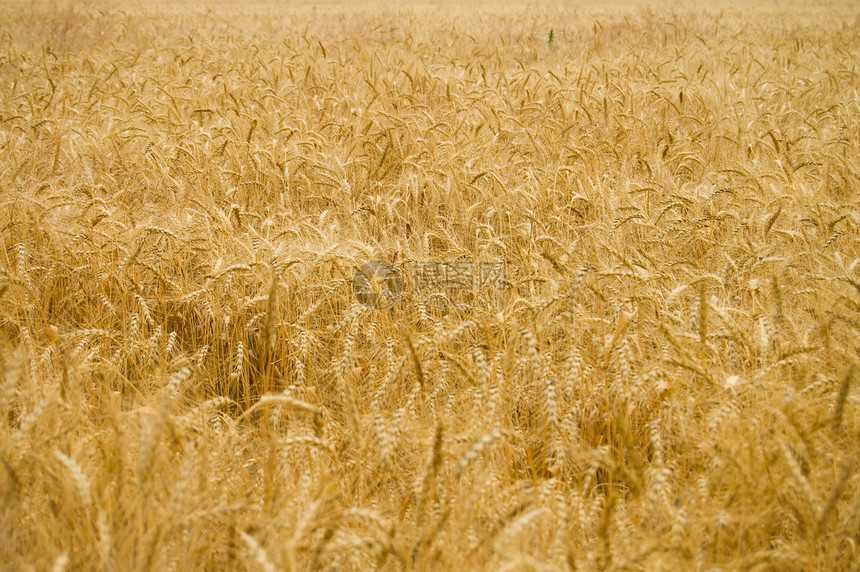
<point>624,328</point>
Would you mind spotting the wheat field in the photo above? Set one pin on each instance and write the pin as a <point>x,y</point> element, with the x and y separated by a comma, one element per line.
<point>662,374</point>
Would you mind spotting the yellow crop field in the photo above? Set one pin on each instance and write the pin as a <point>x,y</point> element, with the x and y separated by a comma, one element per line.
<point>429,286</point>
